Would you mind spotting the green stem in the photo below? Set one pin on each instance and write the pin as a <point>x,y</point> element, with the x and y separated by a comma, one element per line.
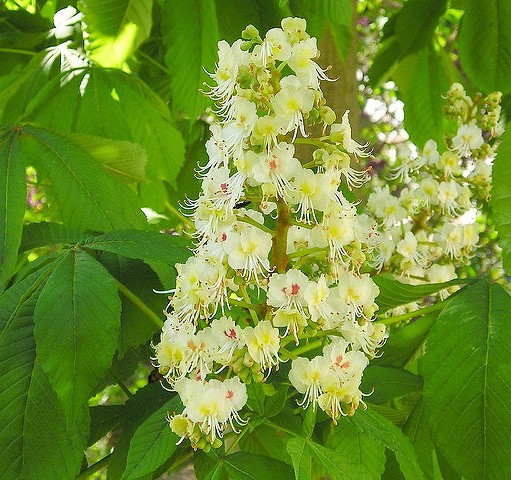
<point>251,221</point>
<point>86,473</point>
<point>311,141</point>
<point>251,308</point>
<point>416,313</point>
<point>139,304</point>
<point>279,258</point>
<point>306,348</point>
<point>306,251</point>
<point>242,304</point>
<point>18,51</point>
<point>278,427</point>
<point>151,60</point>
<point>174,211</point>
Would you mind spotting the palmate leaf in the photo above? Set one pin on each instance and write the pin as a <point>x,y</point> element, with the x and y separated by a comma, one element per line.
<point>115,28</point>
<point>113,104</point>
<point>76,326</point>
<point>189,54</point>
<point>467,382</point>
<point>485,44</point>
<point>89,198</point>
<point>13,193</point>
<point>35,441</point>
<point>501,197</point>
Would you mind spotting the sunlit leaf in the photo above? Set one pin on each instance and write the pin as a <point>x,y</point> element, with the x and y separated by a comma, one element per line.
<point>501,197</point>
<point>115,28</point>
<point>485,44</point>
<point>189,55</point>
<point>467,372</point>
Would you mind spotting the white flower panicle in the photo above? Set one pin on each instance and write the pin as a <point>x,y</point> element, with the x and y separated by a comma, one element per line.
<point>279,248</point>
<point>428,207</point>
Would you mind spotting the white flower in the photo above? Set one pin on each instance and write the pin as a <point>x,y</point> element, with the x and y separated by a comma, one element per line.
<point>467,139</point>
<point>286,290</point>
<point>248,250</point>
<point>307,376</point>
<point>341,133</point>
<point>263,344</point>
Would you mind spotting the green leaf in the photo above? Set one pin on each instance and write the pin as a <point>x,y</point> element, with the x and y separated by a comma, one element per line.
<point>35,441</point>
<point>104,419</point>
<point>424,118</point>
<point>249,466</point>
<point>416,23</point>
<point>152,444</point>
<point>115,28</point>
<point>485,44</point>
<point>136,283</point>
<point>13,193</point>
<point>77,322</point>
<point>189,55</point>
<point>387,383</point>
<point>124,160</point>
<point>301,457</point>
<point>337,465</point>
<point>47,233</point>
<point>138,408</point>
<point>142,245</point>
<point>467,373</point>
<point>113,104</point>
<point>207,467</point>
<point>394,293</point>
<point>256,397</point>
<point>266,440</point>
<point>403,343</point>
<point>358,449</point>
<point>88,197</point>
<point>501,197</point>
<point>386,433</point>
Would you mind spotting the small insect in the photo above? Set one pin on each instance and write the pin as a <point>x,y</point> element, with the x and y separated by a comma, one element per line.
<point>242,204</point>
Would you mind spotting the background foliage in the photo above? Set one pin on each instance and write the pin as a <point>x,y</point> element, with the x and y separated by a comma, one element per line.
<point>102,115</point>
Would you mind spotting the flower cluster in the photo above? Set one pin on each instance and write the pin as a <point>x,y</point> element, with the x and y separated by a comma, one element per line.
<point>428,205</point>
<point>279,249</point>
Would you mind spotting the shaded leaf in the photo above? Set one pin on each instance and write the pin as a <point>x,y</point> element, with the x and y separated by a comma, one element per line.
<point>386,433</point>
<point>249,466</point>
<point>404,342</point>
<point>358,448</point>
<point>387,383</point>
<point>467,373</point>
<point>88,197</point>
<point>77,322</point>
<point>424,118</point>
<point>485,44</point>
<point>139,407</point>
<point>142,245</point>
<point>104,419</point>
<point>394,293</point>
<point>47,233</point>
<point>188,57</point>
<point>152,444</point>
<point>13,193</point>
